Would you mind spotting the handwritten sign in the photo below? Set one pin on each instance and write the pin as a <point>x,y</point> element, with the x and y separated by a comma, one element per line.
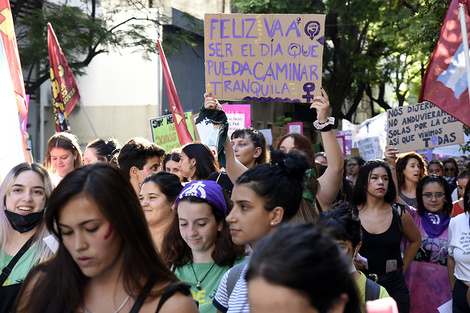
<point>369,148</point>
<point>422,126</point>
<point>238,115</point>
<point>164,130</point>
<point>264,57</point>
<point>347,141</point>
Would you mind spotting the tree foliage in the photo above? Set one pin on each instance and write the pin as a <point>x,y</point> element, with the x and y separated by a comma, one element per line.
<point>83,34</point>
<point>370,44</point>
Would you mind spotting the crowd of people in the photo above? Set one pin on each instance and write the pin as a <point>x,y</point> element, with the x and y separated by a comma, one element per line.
<point>134,228</point>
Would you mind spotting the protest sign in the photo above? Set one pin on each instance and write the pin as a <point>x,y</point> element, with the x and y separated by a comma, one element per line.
<point>295,127</point>
<point>374,126</point>
<point>264,57</point>
<point>347,141</point>
<point>422,126</point>
<point>164,130</point>
<point>278,132</point>
<point>369,148</point>
<point>268,135</point>
<point>342,143</point>
<point>238,115</point>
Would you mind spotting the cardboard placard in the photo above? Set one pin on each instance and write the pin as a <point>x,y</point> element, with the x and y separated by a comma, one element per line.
<point>238,115</point>
<point>164,130</point>
<point>278,132</point>
<point>264,57</point>
<point>422,126</point>
<point>369,148</point>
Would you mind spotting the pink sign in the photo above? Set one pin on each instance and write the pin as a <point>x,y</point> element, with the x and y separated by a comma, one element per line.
<point>295,127</point>
<point>239,116</point>
<point>25,121</point>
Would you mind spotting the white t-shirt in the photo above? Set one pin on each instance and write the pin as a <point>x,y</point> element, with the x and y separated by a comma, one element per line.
<point>459,245</point>
<point>238,301</point>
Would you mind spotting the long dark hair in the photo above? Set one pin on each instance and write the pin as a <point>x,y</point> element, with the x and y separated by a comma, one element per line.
<point>447,208</point>
<point>60,287</point>
<point>359,195</point>
<point>279,183</point>
<point>285,258</point>
<point>206,163</point>
<point>178,253</point>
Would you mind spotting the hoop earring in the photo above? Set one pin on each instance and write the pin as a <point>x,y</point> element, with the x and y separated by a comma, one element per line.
<point>191,167</point>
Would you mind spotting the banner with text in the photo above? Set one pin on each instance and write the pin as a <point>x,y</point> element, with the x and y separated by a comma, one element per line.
<point>264,57</point>
<point>164,131</point>
<point>238,115</point>
<point>422,126</point>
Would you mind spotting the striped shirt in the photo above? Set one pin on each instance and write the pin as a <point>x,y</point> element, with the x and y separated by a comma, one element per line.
<point>238,301</point>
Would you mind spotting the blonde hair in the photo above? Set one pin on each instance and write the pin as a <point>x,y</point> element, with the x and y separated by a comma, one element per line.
<point>41,250</point>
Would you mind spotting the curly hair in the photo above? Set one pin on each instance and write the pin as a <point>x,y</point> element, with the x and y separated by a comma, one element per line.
<point>401,163</point>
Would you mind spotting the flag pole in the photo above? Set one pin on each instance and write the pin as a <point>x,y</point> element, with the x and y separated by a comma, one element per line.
<point>463,25</point>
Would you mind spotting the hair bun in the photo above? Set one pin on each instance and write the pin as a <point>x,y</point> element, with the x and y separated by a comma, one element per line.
<point>294,163</point>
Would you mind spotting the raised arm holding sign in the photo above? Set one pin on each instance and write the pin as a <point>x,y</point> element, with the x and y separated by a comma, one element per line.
<point>330,181</point>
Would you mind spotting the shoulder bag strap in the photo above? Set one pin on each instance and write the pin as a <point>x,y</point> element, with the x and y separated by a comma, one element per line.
<point>7,269</point>
<point>233,277</point>
<point>143,295</point>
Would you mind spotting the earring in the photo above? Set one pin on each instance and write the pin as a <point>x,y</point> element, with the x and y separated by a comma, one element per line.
<point>191,167</point>
<point>272,223</point>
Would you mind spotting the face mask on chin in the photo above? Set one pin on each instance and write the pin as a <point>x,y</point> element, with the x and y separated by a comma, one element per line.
<point>24,223</point>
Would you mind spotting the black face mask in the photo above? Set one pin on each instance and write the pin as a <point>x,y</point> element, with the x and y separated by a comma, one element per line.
<point>24,223</point>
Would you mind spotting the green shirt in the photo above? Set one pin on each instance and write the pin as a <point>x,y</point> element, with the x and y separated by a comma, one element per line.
<point>21,269</point>
<point>361,289</point>
<point>209,283</point>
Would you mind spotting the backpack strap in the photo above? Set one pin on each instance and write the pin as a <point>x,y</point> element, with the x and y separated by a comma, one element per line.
<point>233,277</point>
<point>372,290</point>
<point>398,210</point>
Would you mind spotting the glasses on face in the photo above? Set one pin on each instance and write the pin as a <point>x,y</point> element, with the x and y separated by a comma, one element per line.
<point>429,196</point>
<point>449,169</point>
<point>352,164</point>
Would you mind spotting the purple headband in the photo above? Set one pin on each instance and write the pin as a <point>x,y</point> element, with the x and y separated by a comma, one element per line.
<point>208,190</point>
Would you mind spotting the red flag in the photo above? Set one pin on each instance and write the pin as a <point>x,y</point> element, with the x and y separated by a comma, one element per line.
<point>64,87</point>
<point>445,82</point>
<point>184,136</point>
<point>7,32</point>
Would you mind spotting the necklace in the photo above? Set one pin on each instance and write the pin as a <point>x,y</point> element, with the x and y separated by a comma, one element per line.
<point>119,309</point>
<point>198,286</point>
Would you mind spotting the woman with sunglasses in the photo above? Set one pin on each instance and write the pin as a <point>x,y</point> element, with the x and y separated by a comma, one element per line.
<point>427,276</point>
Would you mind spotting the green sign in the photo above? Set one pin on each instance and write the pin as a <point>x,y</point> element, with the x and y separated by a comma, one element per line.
<point>164,130</point>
